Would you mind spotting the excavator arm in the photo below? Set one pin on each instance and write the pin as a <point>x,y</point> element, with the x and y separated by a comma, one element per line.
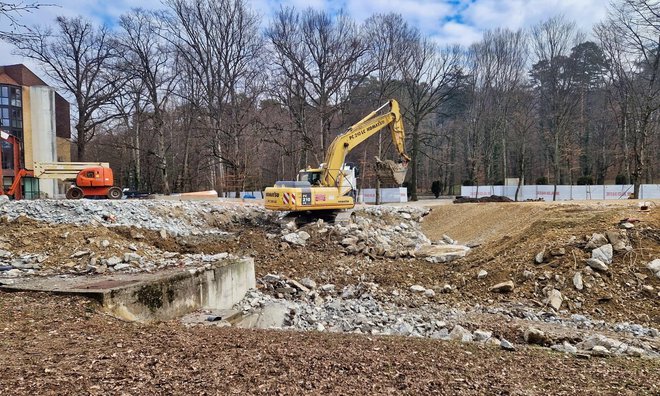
<point>358,133</point>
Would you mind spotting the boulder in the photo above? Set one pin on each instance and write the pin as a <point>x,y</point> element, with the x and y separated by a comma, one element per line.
<point>597,264</point>
<point>442,253</point>
<point>460,333</point>
<point>604,253</point>
<point>654,266</point>
<point>417,289</point>
<point>555,299</point>
<point>539,257</point>
<point>577,281</point>
<point>596,241</point>
<point>482,335</point>
<point>504,287</point>
<point>506,345</point>
<point>535,336</point>
<point>618,240</point>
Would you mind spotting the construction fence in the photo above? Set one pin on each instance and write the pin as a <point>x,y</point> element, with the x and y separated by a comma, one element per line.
<point>564,193</point>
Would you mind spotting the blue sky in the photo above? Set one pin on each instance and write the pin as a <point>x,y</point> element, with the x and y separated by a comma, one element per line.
<point>447,21</point>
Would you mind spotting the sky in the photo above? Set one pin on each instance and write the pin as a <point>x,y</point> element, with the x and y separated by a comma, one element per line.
<point>446,21</point>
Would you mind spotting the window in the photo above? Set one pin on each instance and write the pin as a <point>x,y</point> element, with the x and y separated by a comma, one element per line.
<point>90,175</point>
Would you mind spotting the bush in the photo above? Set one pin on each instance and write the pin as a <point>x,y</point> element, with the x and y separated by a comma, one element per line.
<point>585,181</point>
<point>468,182</point>
<point>621,179</point>
<point>436,188</point>
<point>542,181</point>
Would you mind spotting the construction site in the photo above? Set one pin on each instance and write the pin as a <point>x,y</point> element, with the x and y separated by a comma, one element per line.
<point>450,298</point>
<point>309,291</point>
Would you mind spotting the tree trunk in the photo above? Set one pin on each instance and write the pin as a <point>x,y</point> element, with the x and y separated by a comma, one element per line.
<point>414,159</point>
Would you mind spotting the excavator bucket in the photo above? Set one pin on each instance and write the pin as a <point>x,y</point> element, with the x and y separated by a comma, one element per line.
<point>390,172</point>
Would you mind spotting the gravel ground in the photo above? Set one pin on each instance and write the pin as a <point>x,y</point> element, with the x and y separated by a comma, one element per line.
<point>53,345</point>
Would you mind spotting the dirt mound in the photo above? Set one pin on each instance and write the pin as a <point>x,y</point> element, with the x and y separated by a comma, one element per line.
<point>511,236</point>
<point>492,198</point>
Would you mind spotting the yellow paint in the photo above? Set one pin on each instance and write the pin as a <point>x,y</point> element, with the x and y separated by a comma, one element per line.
<point>27,129</point>
<point>63,149</point>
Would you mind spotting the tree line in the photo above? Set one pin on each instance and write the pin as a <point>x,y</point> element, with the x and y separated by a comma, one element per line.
<point>199,95</point>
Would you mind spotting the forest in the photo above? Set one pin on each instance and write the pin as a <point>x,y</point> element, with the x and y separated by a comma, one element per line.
<point>206,94</point>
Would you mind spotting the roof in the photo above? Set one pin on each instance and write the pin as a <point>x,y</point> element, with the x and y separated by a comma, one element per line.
<point>20,75</point>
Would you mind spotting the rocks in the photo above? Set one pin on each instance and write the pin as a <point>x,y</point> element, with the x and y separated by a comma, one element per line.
<point>619,241</point>
<point>596,241</point>
<point>308,283</point>
<point>560,251</point>
<point>114,260</point>
<point>442,253</point>
<point>417,289</point>
<point>600,351</point>
<point>566,347</point>
<point>460,333</point>
<point>506,345</point>
<point>80,253</point>
<point>577,281</point>
<point>555,299</point>
<point>295,238</point>
<point>481,335</point>
<point>654,266</point>
<point>482,274</point>
<point>504,287</point>
<point>538,259</point>
<point>429,293</point>
<point>121,266</point>
<point>597,264</point>
<point>535,336</point>
<point>626,225</point>
<point>604,253</point>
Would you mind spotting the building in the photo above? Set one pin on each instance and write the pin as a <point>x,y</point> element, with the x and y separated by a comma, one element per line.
<point>40,117</point>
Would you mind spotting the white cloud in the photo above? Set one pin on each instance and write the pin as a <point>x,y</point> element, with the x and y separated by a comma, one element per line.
<point>447,22</point>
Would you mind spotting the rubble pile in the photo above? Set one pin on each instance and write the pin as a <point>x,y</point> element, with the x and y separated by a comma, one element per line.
<point>303,305</point>
<point>379,232</point>
<point>173,217</point>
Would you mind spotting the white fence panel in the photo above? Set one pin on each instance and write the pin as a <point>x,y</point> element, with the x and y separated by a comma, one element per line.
<point>564,193</point>
<point>649,191</point>
<point>368,195</point>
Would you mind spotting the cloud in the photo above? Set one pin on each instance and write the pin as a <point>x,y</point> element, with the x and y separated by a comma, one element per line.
<point>445,21</point>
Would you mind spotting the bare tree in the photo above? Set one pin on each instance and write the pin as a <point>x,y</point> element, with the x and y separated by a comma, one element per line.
<point>323,56</point>
<point>552,41</point>
<point>79,57</point>
<point>631,39</point>
<point>386,37</point>
<point>11,13</point>
<point>222,48</point>
<point>148,58</point>
<point>430,76</point>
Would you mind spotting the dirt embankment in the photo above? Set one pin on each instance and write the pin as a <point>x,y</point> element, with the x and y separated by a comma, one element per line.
<point>511,235</point>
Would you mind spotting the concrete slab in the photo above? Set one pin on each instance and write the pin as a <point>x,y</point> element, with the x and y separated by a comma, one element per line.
<point>148,297</point>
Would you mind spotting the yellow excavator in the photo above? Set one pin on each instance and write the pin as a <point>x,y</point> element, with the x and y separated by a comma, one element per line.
<point>332,187</point>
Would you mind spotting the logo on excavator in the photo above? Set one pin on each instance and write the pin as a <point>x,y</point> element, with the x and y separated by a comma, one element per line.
<point>363,131</point>
<point>273,194</point>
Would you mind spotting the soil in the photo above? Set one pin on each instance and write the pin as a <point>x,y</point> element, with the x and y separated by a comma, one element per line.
<point>54,345</point>
<point>62,345</point>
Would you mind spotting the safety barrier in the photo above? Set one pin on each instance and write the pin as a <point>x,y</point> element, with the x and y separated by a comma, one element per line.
<point>564,193</point>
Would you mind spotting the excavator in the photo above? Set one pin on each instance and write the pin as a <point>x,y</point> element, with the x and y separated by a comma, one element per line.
<point>91,179</point>
<point>330,190</point>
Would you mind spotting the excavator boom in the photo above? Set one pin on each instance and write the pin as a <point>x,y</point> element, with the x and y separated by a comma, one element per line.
<point>331,187</point>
